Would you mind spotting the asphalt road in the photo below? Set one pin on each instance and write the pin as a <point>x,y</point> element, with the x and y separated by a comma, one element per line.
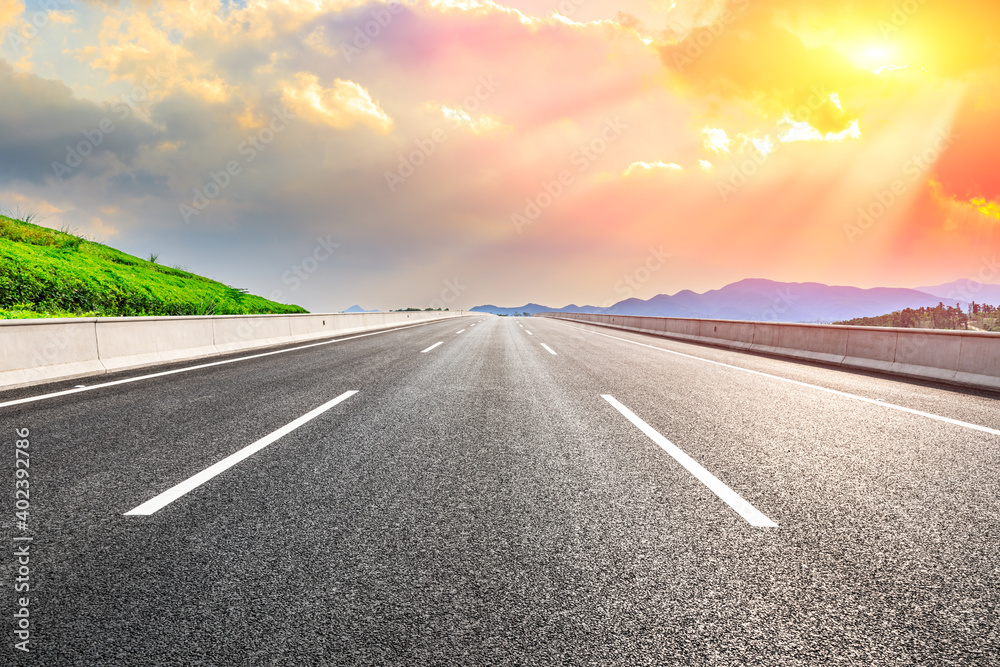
<point>506,497</point>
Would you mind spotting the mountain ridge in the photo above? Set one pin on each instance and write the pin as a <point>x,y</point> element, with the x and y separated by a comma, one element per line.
<point>760,299</point>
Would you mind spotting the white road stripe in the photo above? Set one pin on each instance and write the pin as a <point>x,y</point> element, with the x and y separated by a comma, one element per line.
<point>431,347</point>
<point>172,494</point>
<point>873,401</point>
<point>528,332</point>
<point>727,495</point>
<point>458,332</point>
<point>113,383</point>
<point>551,351</point>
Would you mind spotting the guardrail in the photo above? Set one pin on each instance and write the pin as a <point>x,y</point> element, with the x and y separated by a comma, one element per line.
<point>961,358</point>
<point>45,350</point>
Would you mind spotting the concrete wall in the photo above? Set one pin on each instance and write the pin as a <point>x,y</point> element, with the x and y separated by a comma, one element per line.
<point>44,350</point>
<point>962,358</point>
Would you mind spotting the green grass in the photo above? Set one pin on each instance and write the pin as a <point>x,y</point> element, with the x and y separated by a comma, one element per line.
<point>49,273</point>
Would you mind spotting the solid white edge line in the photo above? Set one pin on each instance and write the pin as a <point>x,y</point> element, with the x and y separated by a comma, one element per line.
<point>551,351</point>
<point>753,516</point>
<point>193,482</point>
<point>837,392</point>
<point>67,392</point>
<point>432,346</point>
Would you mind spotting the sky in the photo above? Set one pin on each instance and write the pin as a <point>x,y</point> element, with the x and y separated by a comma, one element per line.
<point>452,153</point>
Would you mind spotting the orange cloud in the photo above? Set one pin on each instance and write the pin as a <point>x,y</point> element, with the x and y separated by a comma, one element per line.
<point>647,167</point>
<point>10,11</point>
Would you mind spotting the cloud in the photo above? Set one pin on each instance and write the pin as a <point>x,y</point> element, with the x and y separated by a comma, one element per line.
<point>10,12</point>
<point>341,106</point>
<point>459,117</point>
<point>967,167</point>
<point>802,131</point>
<point>647,167</point>
<point>42,122</point>
<point>786,56</point>
<point>716,140</point>
<point>746,53</point>
<point>139,183</point>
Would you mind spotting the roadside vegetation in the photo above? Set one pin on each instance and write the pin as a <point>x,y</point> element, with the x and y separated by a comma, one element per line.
<point>979,317</point>
<point>49,273</point>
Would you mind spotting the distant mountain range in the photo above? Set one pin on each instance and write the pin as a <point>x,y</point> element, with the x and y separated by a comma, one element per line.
<point>768,300</point>
<point>969,290</point>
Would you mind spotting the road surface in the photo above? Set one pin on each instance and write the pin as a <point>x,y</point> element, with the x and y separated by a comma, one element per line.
<point>501,491</point>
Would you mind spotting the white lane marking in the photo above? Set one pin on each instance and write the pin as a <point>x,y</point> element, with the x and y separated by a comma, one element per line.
<point>836,392</point>
<point>753,516</point>
<point>431,347</point>
<point>458,332</point>
<point>528,332</point>
<point>77,390</point>
<point>191,483</point>
<point>551,351</point>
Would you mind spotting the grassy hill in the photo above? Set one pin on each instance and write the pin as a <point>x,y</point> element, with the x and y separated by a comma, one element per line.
<point>47,273</point>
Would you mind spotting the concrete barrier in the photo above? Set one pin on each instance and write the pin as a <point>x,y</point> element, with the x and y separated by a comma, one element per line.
<point>46,350</point>
<point>738,335</point>
<point>823,344</point>
<point>961,358</point>
<point>122,344</point>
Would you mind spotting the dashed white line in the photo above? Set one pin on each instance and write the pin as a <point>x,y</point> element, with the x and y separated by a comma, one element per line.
<point>458,332</point>
<point>80,388</point>
<point>551,351</point>
<point>753,516</point>
<point>528,332</point>
<point>431,347</point>
<point>836,392</point>
<point>173,493</point>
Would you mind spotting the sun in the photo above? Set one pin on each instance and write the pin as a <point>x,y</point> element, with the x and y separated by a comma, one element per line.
<point>876,58</point>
